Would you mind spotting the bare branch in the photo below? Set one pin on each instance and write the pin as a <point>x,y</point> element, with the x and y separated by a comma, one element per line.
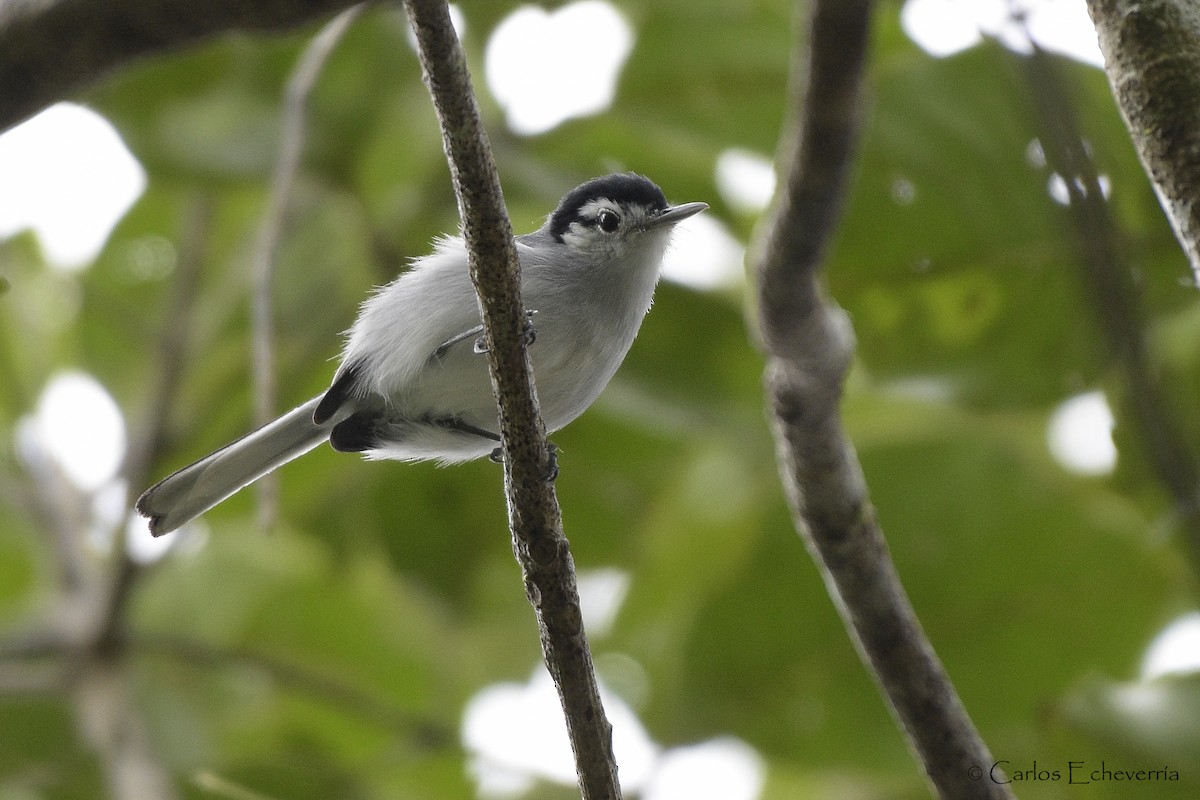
<point>534,514</point>
<point>1113,295</point>
<point>809,344</point>
<point>1152,56</point>
<point>50,49</point>
<point>270,231</point>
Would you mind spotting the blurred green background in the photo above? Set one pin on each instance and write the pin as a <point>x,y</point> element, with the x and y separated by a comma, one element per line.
<point>395,584</point>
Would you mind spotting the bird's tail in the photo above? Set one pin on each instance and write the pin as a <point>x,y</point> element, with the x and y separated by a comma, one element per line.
<point>181,497</point>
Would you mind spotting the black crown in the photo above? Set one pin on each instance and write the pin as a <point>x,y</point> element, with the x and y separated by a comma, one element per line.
<point>626,188</point>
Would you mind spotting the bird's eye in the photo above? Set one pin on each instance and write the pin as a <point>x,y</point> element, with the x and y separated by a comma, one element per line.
<point>608,220</point>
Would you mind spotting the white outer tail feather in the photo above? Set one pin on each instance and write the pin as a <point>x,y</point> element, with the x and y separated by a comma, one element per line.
<point>184,495</point>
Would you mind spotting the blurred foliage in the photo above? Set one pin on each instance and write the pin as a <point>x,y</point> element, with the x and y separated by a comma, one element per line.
<point>396,583</point>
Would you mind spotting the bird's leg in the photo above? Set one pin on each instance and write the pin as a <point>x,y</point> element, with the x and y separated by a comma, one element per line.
<point>458,337</point>
<point>497,457</point>
<point>528,333</point>
<point>456,424</point>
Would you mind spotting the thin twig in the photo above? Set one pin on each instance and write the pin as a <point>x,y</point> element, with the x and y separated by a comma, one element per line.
<point>809,344</point>
<point>1112,292</point>
<point>534,514</point>
<point>270,232</point>
<point>424,732</point>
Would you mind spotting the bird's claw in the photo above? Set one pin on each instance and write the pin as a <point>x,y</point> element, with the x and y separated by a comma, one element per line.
<point>528,334</point>
<point>497,457</point>
<point>551,462</point>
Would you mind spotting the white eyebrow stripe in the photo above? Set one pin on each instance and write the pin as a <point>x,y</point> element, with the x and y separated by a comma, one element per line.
<point>592,208</point>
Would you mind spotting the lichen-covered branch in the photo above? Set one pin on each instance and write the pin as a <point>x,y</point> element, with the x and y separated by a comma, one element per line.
<point>51,49</point>
<point>1152,57</point>
<point>809,344</point>
<point>534,514</point>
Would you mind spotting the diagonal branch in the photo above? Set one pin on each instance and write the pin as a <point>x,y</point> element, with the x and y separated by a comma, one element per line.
<point>51,49</point>
<point>1113,294</point>
<point>809,344</point>
<point>534,514</point>
<point>422,732</point>
<point>1152,57</point>
<point>43,661</point>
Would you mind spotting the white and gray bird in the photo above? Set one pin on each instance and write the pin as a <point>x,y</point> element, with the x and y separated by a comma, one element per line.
<point>412,384</point>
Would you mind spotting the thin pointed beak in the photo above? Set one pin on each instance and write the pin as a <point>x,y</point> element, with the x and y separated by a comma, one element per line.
<point>674,214</point>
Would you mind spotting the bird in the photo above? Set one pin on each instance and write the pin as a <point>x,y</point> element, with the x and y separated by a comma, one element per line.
<point>413,383</point>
